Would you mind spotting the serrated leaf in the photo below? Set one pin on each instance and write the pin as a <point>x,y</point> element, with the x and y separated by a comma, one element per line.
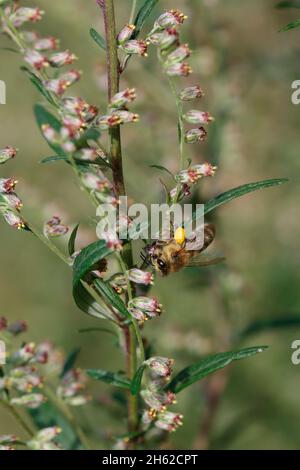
<point>72,240</point>
<point>137,380</point>
<point>43,116</point>
<point>70,361</point>
<point>235,193</point>
<point>209,365</point>
<point>289,26</point>
<point>144,12</point>
<point>288,4</point>
<point>98,38</point>
<point>112,297</point>
<point>109,377</point>
<point>270,324</point>
<point>35,80</point>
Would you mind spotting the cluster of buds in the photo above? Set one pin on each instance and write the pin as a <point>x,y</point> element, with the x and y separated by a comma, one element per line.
<point>59,85</point>
<point>157,398</point>
<point>144,308</point>
<point>131,46</point>
<point>195,173</point>
<point>10,203</point>
<point>31,400</point>
<point>53,228</point>
<point>72,388</point>
<point>45,439</point>
<point>22,379</point>
<point>118,112</point>
<point>46,44</point>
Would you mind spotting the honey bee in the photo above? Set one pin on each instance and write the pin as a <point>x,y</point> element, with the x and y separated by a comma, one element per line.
<point>172,255</point>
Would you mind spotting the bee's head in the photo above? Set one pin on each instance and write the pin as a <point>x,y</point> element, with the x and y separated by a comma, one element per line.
<point>157,258</point>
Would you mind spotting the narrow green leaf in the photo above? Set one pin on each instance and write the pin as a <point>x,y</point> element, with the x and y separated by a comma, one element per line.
<point>209,365</point>
<point>240,191</point>
<point>83,265</point>
<point>144,12</point>
<point>98,38</point>
<point>43,116</point>
<point>289,26</point>
<point>270,324</point>
<point>87,259</point>
<point>100,330</point>
<point>70,361</point>
<point>288,4</point>
<point>86,302</point>
<point>109,377</point>
<point>137,380</point>
<point>38,84</point>
<point>112,297</point>
<point>72,239</point>
<point>162,168</point>
<point>54,158</point>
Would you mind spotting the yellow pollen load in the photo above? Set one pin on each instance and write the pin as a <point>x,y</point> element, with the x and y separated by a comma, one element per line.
<point>179,236</point>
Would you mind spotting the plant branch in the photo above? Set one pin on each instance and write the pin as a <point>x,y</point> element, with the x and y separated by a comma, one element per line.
<point>18,417</point>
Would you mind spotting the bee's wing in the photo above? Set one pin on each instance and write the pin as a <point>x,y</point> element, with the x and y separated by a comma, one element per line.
<point>201,238</point>
<point>204,259</point>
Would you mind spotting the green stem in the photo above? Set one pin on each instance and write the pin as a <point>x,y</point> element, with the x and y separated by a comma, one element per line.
<point>18,417</point>
<point>113,75</point>
<point>48,243</point>
<point>134,322</point>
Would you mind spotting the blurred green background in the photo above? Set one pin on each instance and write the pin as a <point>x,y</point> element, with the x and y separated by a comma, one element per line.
<point>246,69</point>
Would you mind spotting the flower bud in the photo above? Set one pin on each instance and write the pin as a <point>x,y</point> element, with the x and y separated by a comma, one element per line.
<point>108,121</point>
<point>48,434</point>
<point>56,86</point>
<point>87,154</point>
<point>158,401</point>
<point>126,116</point>
<point>140,277</point>
<point>178,70</point>
<point>180,54</point>
<point>7,153</point>
<point>168,421</point>
<point>123,98</point>
<point>161,366</point>
<point>35,59</point>
<point>71,77</point>
<point>135,47</point>
<point>24,14</point>
<point>191,93</point>
<point>3,323</point>
<point>30,36</point>
<point>195,172</point>
<point>112,240</point>
<point>62,58</point>
<point>195,135</point>
<point>168,19</point>
<point>125,33</point>
<point>168,38</point>
<point>13,201</point>
<point>96,182</point>
<point>32,401</point>
<point>198,117</point>
<point>13,219</point>
<point>45,44</point>
<point>19,326</point>
<point>144,308</point>
<point>26,353</point>
<point>7,185</point>
<point>54,228</point>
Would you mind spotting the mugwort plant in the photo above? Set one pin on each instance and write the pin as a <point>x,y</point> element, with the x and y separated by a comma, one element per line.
<point>36,377</point>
